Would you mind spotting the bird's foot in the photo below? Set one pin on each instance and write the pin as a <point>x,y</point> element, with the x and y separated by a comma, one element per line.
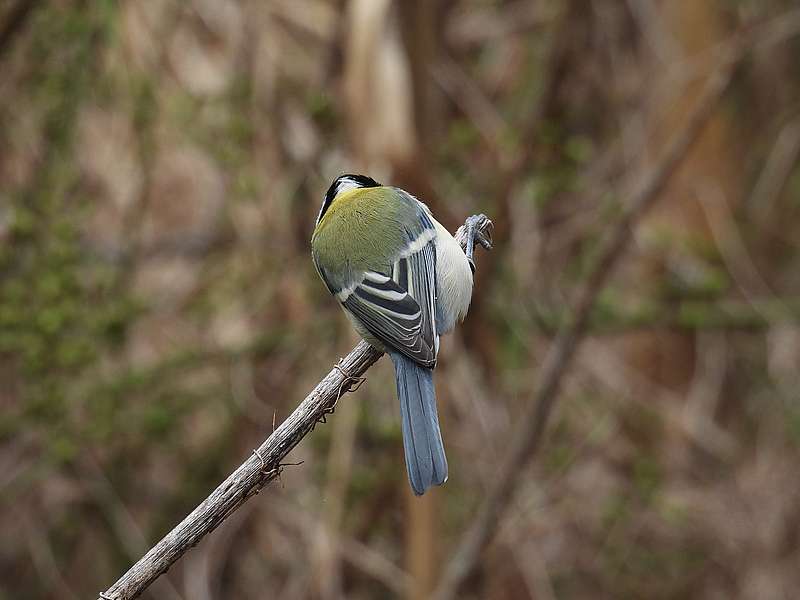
<point>478,229</point>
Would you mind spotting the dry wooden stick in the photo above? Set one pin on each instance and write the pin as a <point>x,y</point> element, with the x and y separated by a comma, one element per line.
<point>264,465</point>
<point>528,435</point>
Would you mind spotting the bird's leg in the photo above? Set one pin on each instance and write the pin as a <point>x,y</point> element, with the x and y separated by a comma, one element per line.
<point>473,233</point>
<point>470,249</point>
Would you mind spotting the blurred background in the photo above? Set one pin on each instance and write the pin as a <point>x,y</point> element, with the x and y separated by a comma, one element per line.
<point>161,166</point>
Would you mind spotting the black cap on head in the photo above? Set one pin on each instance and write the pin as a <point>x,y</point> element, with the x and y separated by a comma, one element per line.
<point>343,183</point>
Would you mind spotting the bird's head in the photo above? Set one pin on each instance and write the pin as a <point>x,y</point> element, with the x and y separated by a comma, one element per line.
<point>344,183</point>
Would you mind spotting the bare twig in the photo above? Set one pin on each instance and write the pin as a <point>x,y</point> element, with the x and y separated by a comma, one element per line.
<point>528,436</point>
<point>264,465</point>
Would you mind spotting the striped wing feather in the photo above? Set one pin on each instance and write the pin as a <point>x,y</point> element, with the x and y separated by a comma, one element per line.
<point>388,306</point>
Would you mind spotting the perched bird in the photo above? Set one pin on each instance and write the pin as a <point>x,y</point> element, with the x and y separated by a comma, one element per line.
<point>403,281</point>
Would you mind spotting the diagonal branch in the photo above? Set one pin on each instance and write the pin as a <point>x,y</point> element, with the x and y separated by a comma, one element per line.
<point>262,466</point>
<point>528,436</point>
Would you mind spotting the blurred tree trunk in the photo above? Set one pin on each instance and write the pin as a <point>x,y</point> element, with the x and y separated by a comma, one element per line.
<point>422,536</point>
<point>419,26</point>
<point>328,569</point>
<point>692,29</point>
<point>389,54</point>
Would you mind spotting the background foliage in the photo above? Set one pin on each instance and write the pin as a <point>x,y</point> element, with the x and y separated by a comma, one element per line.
<point>161,166</point>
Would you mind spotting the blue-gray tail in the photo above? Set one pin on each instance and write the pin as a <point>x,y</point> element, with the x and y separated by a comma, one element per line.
<point>422,439</point>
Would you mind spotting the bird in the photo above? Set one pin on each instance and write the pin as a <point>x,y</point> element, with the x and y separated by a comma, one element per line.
<point>403,281</point>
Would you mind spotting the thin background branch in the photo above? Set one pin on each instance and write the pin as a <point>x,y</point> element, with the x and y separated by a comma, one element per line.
<point>528,436</point>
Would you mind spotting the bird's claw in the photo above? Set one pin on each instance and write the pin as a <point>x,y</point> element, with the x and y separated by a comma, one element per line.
<point>474,233</point>
<point>484,238</point>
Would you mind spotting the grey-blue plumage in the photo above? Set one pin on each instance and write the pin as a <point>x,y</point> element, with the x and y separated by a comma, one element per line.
<point>422,439</point>
<point>403,281</point>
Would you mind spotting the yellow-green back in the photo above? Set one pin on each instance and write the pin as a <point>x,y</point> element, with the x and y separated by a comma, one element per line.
<point>364,229</point>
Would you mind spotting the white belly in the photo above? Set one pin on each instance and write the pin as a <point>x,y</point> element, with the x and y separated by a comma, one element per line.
<point>453,280</point>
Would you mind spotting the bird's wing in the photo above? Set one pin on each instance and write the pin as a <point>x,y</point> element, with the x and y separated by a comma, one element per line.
<point>398,306</point>
<point>393,316</point>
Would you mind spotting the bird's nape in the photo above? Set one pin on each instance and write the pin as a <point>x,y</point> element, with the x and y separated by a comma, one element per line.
<point>344,183</point>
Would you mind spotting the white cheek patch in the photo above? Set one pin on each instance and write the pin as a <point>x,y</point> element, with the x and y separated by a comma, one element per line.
<point>345,185</point>
<point>319,214</point>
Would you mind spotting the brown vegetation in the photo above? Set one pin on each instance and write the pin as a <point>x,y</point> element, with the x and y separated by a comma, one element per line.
<point>161,165</point>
